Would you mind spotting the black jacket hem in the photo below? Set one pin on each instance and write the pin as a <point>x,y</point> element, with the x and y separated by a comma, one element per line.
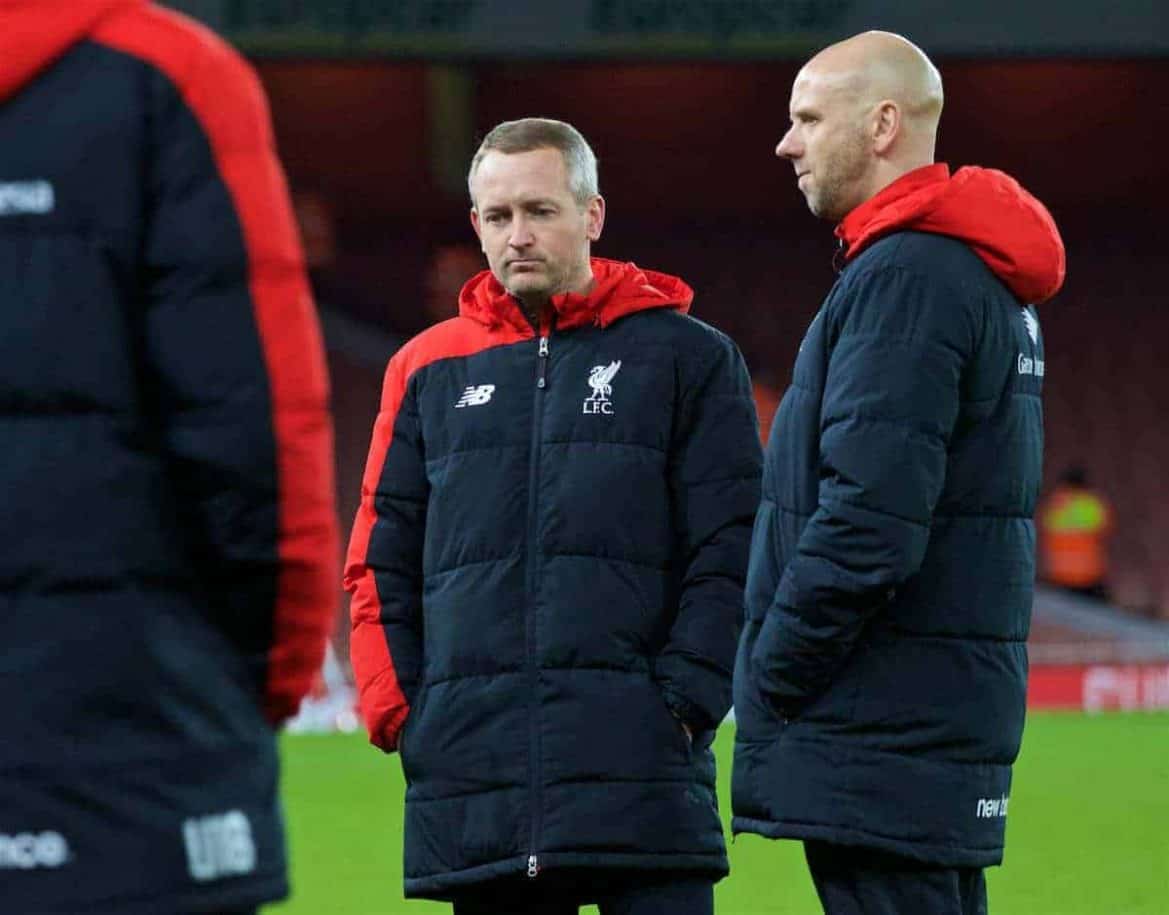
<point>927,853</point>
<point>444,886</point>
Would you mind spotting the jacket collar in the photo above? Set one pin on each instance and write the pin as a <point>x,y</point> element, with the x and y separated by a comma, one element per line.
<point>619,289</point>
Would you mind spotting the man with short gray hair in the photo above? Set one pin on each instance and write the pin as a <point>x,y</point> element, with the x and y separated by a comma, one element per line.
<point>548,561</point>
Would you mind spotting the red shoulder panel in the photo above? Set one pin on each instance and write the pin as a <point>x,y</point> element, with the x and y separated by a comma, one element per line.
<point>383,706</point>
<point>226,99</point>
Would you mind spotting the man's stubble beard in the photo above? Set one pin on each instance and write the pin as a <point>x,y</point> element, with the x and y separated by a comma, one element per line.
<point>843,173</point>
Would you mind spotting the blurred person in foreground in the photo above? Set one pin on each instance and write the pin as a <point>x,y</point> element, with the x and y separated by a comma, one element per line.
<point>167,578</point>
<point>881,675</point>
<point>548,561</point>
<point>1075,525</point>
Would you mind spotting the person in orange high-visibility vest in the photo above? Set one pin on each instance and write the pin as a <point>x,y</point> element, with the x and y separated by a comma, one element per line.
<point>766,403</point>
<point>1075,524</point>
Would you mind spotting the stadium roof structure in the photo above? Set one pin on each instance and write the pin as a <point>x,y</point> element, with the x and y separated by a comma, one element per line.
<point>695,29</point>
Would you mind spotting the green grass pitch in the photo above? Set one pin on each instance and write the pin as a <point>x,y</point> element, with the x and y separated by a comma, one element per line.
<point>1088,832</point>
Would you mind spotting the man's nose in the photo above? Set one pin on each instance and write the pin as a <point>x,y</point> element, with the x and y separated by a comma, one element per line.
<point>787,147</point>
<point>521,235</point>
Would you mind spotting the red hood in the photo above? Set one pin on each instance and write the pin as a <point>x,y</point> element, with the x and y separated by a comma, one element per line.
<point>1008,228</point>
<point>34,33</point>
<point>619,289</point>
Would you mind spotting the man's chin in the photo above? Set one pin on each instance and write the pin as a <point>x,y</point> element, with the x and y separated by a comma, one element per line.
<point>527,286</point>
<point>822,210</point>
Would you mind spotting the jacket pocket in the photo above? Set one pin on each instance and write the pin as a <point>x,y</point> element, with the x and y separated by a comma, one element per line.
<point>686,740</point>
<point>681,742</point>
<point>755,716</point>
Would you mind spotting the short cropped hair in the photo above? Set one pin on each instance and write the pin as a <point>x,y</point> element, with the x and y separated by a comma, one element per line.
<point>528,134</point>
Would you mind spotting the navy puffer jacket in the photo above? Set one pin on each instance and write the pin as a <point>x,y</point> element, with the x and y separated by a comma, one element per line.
<point>547,571</point>
<point>170,544</point>
<point>881,676</point>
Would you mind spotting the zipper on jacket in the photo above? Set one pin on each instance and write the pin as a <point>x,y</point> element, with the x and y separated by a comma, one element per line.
<point>541,375</point>
<point>533,549</point>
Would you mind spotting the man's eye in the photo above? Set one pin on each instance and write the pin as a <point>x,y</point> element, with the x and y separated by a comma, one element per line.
<point>495,219</point>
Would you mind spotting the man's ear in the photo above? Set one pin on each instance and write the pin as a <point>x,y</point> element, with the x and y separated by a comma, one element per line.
<point>478,229</point>
<point>886,126</point>
<point>595,217</point>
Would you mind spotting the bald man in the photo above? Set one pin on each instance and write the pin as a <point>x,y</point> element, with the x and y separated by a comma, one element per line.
<point>880,679</point>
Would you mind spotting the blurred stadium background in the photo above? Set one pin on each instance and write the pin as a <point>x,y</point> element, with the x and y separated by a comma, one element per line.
<point>378,106</point>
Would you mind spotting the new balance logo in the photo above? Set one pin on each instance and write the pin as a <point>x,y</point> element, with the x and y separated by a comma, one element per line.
<point>26,851</point>
<point>476,395</point>
<point>991,807</point>
<point>18,198</point>
<point>601,381</point>
<point>219,845</point>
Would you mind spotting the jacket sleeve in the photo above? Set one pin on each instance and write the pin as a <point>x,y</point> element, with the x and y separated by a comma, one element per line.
<point>233,362</point>
<point>383,570</point>
<point>897,343</point>
<point>714,483</point>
